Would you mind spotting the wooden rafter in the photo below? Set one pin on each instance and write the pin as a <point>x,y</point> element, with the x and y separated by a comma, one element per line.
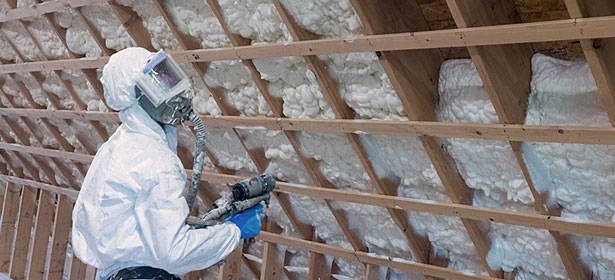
<point>275,103</point>
<point>57,135</point>
<point>330,89</point>
<point>257,157</point>
<point>600,53</point>
<point>413,75</point>
<point>506,74</point>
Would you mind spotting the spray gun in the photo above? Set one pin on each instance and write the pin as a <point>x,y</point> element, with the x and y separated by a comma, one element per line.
<point>244,195</point>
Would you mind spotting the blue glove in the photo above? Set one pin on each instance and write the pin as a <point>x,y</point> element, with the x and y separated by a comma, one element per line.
<point>249,221</point>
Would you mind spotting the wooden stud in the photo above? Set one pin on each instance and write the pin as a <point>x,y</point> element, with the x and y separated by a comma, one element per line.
<point>318,267</point>
<point>77,269</point>
<point>231,270</point>
<point>271,267</point>
<point>23,233</point>
<point>371,272</point>
<point>59,240</point>
<point>7,227</point>
<point>42,231</point>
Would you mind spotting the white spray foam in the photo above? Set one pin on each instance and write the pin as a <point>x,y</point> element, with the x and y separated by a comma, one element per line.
<point>579,177</point>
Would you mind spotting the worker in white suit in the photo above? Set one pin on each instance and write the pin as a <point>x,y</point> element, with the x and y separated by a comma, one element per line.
<point>129,218</point>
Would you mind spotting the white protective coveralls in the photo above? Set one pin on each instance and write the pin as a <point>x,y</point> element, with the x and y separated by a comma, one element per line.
<point>130,210</point>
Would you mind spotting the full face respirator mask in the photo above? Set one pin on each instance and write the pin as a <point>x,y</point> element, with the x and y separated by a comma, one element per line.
<point>164,91</point>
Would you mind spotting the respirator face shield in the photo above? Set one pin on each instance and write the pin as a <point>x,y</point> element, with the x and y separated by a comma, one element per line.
<point>164,90</point>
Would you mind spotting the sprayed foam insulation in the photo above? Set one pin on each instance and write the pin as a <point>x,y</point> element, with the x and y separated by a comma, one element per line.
<point>579,177</point>
<point>488,167</point>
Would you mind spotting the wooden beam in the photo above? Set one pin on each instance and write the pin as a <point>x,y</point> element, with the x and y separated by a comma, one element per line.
<point>539,221</point>
<point>23,234</point>
<point>329,87</point>
<point>318,267</point>
<point>24,138</point>
<point>38,77</point>
<point>557,30</point>
<point>371,272</point>
<point>438,208</point>
<point>59,239</point>
<point>369,258</point>
<point>100,42</point>
<point>231,270</point>
<point>77,269</point>
<point>55,132</point>
<point>599,53</point>
<point>50,188</point>
<point>271,269</point>
<point>47,152</point>
<point>257,156</point>
<point>275,103</point>
<point>501,132</point>
<point>132,23</point>
<point>42,231</point>
<point>32,171</point>
<point>506,74</point>
<point>413,75</point>
<point>7,227</point>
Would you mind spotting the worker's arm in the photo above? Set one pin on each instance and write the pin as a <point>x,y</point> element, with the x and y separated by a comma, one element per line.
<point>161,213</point>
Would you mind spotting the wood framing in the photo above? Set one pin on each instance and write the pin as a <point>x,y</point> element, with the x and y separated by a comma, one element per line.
<point>506,74</point>
<point>413,75</point>
<point>369,258</point>
<point>22,239</point>
<point>585,28</point>
<point>599,53</point>
<point>7,227</point>
<point>41,177</point>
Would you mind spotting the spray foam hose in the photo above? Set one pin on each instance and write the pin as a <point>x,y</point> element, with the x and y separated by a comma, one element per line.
<point>199,153</point>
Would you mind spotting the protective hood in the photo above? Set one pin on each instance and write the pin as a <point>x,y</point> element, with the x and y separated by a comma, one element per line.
<point>118,79</point>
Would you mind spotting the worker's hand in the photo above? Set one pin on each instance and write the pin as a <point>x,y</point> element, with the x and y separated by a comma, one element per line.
<point>249,221</point>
